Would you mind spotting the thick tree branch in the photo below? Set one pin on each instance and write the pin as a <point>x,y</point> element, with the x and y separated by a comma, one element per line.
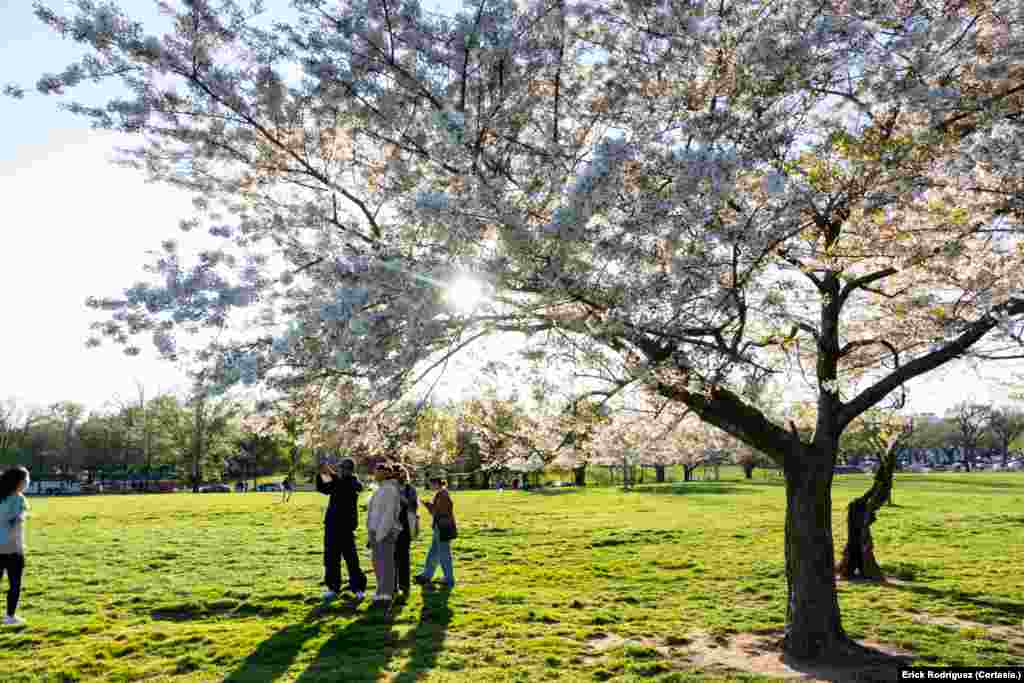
<point>860,343</point>
<point>725,410</point>
<point>863,282</point>
<point>919,366</point>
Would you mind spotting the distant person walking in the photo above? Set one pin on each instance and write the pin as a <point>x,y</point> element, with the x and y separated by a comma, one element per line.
<point>13,511</point>
<point>443,531</point>
<point>287,488</point>
<point>383,528</point>
<point>340,523</point>
<point>408,515</point>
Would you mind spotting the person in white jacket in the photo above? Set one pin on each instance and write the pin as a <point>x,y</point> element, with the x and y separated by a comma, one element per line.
<point>382,528</point>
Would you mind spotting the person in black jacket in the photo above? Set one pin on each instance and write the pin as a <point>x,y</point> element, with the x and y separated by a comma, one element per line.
<point>340,524</point>
<point>408,515</point>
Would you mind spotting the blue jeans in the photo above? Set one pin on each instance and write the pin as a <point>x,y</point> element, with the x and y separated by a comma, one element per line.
<point>440,551</point>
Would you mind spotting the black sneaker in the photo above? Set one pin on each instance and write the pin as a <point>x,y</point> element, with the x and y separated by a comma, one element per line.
<point>421,580</point>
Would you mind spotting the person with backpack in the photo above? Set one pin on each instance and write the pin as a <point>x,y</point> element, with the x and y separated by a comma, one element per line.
<point>382,530</point>
<point>444,530</point>
<point>13,511</point>
<point>408,515</point>
<point>340,523</point>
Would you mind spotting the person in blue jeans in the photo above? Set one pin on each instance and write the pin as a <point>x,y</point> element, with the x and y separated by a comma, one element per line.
<point>440,551</point>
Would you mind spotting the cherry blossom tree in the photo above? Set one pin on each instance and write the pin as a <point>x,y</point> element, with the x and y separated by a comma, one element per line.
<point>692,196</point>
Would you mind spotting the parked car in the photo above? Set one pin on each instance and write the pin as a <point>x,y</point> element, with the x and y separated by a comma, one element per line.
<point>269,488</point>
<point>920,469</point>
<point>1015,465</point>
<point>845,469</point>
<point>215,488</point>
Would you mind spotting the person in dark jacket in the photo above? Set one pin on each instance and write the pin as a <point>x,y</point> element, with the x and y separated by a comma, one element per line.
<point>340,524</point>
<point>409,517</point>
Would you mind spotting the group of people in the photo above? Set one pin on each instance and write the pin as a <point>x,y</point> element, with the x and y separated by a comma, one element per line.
<point>392,522</point>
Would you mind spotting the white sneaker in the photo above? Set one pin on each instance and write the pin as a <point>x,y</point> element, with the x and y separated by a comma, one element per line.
<point>13,621</point>
<point>360,595</point>
<point>329,595</point>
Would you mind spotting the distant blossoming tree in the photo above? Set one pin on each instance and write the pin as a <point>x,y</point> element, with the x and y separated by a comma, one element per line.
<point>694,195</point>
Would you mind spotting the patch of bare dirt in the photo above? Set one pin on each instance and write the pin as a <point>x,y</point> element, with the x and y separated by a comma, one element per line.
<point>754,653</point>
<point>761,654</point>
<point>600,643</point>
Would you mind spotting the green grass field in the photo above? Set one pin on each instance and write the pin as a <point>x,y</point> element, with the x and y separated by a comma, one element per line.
<point>671,583</point>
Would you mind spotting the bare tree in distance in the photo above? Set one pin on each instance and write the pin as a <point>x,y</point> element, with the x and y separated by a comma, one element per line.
<point>1006,424</point>
<point>971,420</point>
<point>16,421</point>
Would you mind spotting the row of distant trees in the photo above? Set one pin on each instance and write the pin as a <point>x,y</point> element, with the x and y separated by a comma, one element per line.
<point>973,428</point>
<point>208,438</point>
<point>204,438</point>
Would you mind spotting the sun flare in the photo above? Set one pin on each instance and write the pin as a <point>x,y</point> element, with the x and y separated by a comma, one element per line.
<point>465,294</point>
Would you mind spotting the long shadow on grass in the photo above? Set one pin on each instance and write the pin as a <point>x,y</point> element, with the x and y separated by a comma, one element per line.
<point>358,652</point>
<point>554,491</point>
<point>1013,610</point>
<point>275,655</point>
<point>428,636</point>
<point>968,482</point>
<point>691,488</point>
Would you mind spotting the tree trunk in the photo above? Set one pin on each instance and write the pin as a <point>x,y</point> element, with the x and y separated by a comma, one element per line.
<point>197,445</point>
<point>813,624</point>
<point>748,470</point>
<point>486,476</point>
<point>579,475</point>
<point>659,474</point>
<point>688,471</point>
<point>859,554</point>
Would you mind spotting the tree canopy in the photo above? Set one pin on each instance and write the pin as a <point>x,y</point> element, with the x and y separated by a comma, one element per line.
<point>688,195</point>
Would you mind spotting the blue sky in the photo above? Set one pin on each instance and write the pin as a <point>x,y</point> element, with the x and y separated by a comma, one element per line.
<point>76,226</point>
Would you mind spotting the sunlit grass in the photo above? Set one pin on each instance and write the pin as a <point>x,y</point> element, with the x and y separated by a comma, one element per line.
<point>567,585</point>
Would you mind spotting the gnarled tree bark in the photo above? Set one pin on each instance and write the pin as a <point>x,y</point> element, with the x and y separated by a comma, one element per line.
<point>859,554</point>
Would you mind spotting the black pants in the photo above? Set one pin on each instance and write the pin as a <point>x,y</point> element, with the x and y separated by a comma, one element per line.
<point>402,560</point>
<point>339,543</point>
<point>14,565</point>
